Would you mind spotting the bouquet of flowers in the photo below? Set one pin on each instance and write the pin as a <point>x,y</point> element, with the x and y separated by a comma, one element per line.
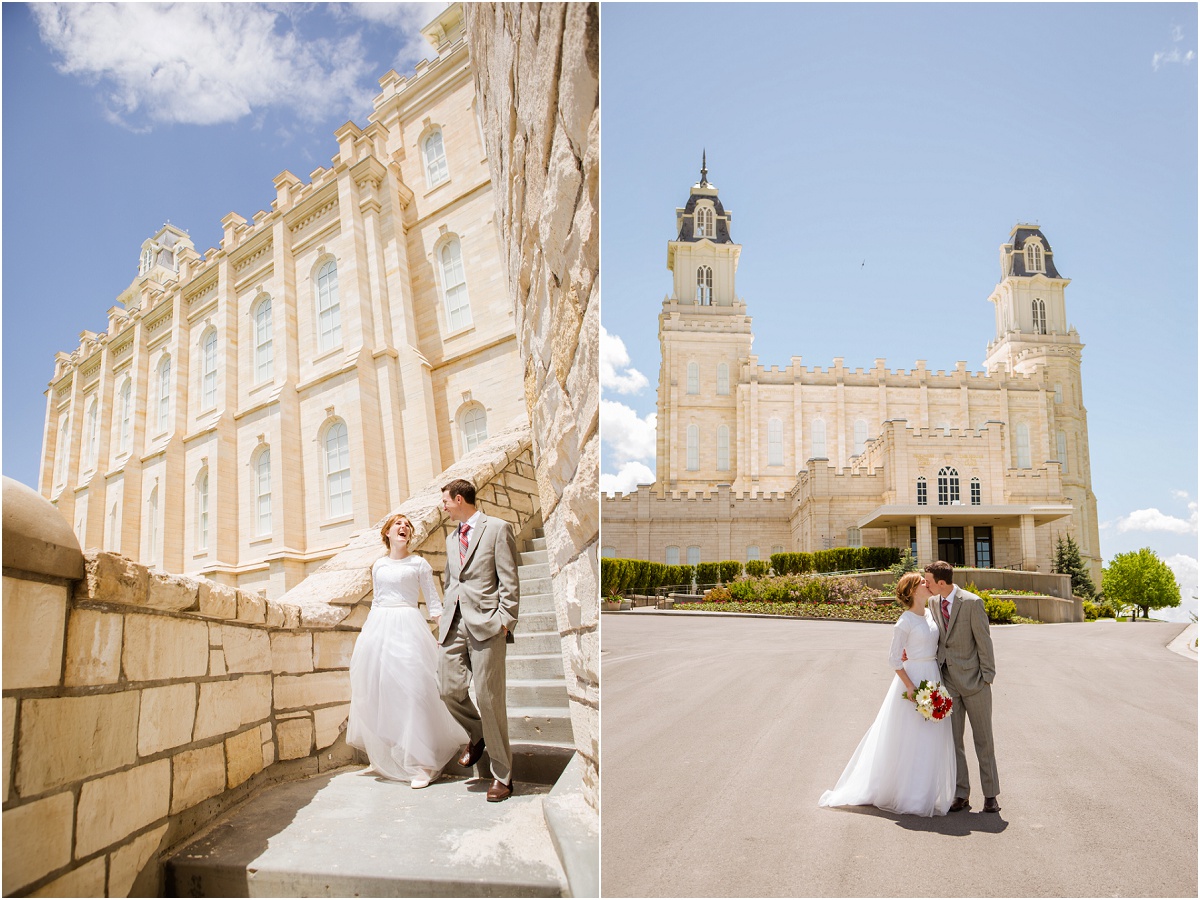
<point>932,700</point>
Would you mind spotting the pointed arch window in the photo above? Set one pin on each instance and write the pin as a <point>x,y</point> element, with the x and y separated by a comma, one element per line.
<point>434,150</point>
<point>202,510</point>
<point>818,438</point>
<point>1034,258</point>
<point>1039,316</point>
<point>208,379</point>
<point>704,222</point>
<point>922,492</point>
<point>91,435</point>
<point>262,492</point>
<point>264,341</point>
<point>1024,460</point>
<point>329,308</point>
<point>774,442</point>
<point>454,285</point>
<point>126,414</point>
<point>693,448</point>
<point>976,492</point>
<point>860,436</point>
<point>693,378</point>
<point>948,493</point>
<point>473,424</point>
<point>1062,451</point>
<point>723,379</point>
<point>723,448</point>
<point>704,285</point>
<point>337,470</point>
<point>164,393</point>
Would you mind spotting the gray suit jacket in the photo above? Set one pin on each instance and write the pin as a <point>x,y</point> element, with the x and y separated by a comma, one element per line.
<point>484,587</point>
<point>965,644</point>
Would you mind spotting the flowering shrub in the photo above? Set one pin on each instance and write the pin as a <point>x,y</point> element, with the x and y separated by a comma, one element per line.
<point>718,595</point>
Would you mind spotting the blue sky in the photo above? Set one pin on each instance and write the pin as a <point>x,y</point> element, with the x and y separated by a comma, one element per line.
<point>119,117</point>
<point>852,140</point>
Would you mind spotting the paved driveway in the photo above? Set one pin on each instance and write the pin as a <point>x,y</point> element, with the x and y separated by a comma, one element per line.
<point>721,733</point>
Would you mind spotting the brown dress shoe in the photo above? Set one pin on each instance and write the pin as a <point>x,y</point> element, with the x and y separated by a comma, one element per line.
<point>499,791</point>
<point>471,754</point>
<point>990,805</point>
<point>959,804</point>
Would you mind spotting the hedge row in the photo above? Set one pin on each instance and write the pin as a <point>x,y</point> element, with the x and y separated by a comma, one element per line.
<point>839,559</point>
<point>639,576</point>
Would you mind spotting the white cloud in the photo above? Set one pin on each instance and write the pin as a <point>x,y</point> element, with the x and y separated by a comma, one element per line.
<point>1153,520</point>
<point>627,479</point>
<point>406,18</point>
<point>205,63</point>
<point>615,374</point>
<point>1180,495</point>
<point>627,435</point>
<point>1185,569</point>
<point>1173,55</point>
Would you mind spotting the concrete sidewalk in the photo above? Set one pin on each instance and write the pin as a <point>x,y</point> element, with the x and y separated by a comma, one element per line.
<point>351,833</point>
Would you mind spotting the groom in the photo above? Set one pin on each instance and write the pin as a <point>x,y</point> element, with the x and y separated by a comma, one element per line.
<point>481,600</point>
<point>968,669</point>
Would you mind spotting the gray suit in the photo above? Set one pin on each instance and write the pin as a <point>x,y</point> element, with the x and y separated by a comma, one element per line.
<point>968,668</point>
<point>482,595</point>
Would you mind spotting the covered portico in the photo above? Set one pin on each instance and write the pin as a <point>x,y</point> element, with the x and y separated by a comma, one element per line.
<point>966,535</point>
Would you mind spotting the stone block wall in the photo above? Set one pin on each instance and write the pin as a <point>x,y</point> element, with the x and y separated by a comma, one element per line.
<point>537,69</point>
<point>138,706</point>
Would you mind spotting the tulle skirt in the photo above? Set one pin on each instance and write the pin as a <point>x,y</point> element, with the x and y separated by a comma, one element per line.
<point>396,711</point>
<point>904,764</point>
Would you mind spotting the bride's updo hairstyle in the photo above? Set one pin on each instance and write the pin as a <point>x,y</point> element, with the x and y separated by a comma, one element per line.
<point>906,587</point>
<point>392,520</point>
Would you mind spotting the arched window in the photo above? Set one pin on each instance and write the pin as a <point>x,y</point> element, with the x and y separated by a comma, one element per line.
<point>723,448</point>
<point>704,284</point>
<point>1062,451</point>
<point>264,341</point>
<point>473,423</point>
<point>704,222</point>
<point>752,552</point>
<point>860,436</point>
<point>436,169</point>
<point>337,470</point>
<point>1034,261</point>
<point>976,492</point>
<point>147,261</point>
<point>262,492</point>
<point>60,453</point>
<point>91,435</point>
<point>693,378</point>
<point>208,378</point>
<point>329,310</point>
<point>126,414</point>
<point>672,556</point>
<point>693,448</point>
<point>947,486</point>
<point>817,430</point>
<point>1039,316</point>
<point>1024,460</point>
<point>454,286</point>
<point>164,393</point>
<point>202,510</point>
<point>922,492</point>
<point>723,378</point>
<point>774,442</point>
<point>152,527</point>
<point>693,555</point>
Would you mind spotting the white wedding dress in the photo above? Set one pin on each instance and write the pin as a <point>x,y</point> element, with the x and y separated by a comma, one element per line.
<point>396,711</point>
<point>905,763</point>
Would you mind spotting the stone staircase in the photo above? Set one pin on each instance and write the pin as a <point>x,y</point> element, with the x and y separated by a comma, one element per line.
<point>538,711</point>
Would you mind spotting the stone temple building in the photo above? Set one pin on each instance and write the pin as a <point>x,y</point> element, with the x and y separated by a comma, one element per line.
<point>978,468</point>
<point>250,408</point>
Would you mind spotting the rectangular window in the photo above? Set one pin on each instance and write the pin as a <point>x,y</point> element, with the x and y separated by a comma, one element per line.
<point>752,552</point>
<point>775,442</point>
<point>912,540</point>
<point>976,497</point>
<point>922,492</point>
<point>1062,452</point>
<point>1057,393</point>
<point>672,556</point>
<point>853,537</point>
<point>983,546</point>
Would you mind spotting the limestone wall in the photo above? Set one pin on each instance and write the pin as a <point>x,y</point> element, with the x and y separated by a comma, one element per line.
<point>537,70</point>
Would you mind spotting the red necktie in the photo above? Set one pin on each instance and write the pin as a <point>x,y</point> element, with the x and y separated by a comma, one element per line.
<point>462,543</point>
<point>946,611</point>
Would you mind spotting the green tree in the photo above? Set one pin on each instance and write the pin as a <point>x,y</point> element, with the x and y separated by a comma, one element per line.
<point>1069,561</point>
<point>1140,579</point>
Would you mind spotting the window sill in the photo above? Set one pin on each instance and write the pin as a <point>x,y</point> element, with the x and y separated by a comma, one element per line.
<point>262,386</point>
<point>262,540</point>
<point>203,554</point>
<point>327,354</point>
<point>461,332</point>
<point>342,520</point>
<point>437,187</point>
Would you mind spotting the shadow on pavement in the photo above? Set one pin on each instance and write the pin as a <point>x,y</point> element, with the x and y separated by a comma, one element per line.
<point>958,824</point>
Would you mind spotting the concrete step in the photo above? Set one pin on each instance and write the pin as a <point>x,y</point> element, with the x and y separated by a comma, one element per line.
<point>537,543</point>
<point>539,665</point>
<point>534,724</point>
<point>350,833</point>
<point>536,602</point>
<point>535,570</point>
<point>531,620</point>
<point>530,642</point>
<point>533,557</point>
<point>548,692</point>
<point>537,586</point>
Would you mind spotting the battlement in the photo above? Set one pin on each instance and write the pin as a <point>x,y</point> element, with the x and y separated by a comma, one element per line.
<point>711,496</point>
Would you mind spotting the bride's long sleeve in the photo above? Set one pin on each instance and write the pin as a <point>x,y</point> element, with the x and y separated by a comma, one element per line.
<point>899,639</point>
<point>432,601</point>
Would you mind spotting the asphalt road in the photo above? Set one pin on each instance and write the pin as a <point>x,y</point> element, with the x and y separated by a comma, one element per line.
<point>721,733</point>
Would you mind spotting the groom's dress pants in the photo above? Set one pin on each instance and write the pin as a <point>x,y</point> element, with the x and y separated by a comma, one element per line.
<point>978,708</point>
<point>463,656</point>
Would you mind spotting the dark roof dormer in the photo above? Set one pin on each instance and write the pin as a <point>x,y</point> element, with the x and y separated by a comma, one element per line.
<point>1028,253</point>
<point>703,217</point>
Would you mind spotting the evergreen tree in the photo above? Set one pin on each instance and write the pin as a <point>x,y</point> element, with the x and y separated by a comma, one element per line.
<point>1069,561</point>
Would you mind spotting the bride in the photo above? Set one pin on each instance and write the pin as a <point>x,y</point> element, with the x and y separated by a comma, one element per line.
<point>396,712</point>
<point>905,763</point>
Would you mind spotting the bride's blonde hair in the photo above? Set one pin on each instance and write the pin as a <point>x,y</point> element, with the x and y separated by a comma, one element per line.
<point>906,587</point>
